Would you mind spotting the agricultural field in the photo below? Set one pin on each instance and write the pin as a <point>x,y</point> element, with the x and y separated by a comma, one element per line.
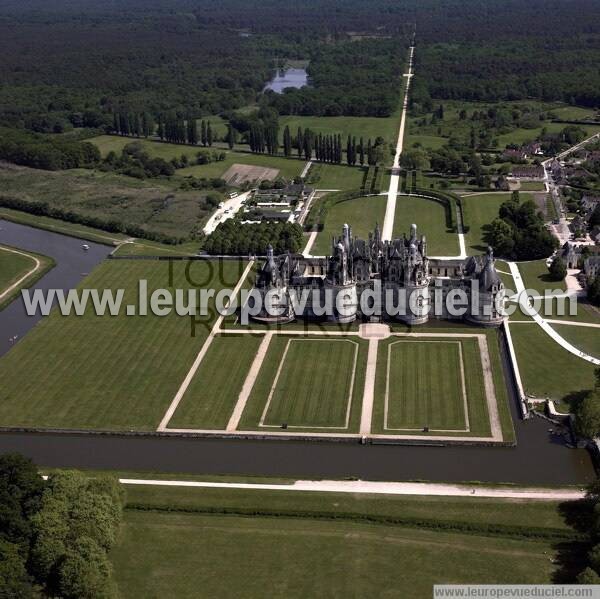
<point>430,218</point>
<point>155,206</point>
<point>108,372</point>
<point>158,551</point>
<point>20,265</point>
<point>308,384</point>
<point>360,213</point>
<point>480,210</point>
<point>546,368</point>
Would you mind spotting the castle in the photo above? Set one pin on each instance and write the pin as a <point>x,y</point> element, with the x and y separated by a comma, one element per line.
<point>390,271</point>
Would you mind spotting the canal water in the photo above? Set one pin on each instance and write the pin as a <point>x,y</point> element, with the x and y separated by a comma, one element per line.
<point>541,456</point>
<point>72,264</point>
<point>287,78</point>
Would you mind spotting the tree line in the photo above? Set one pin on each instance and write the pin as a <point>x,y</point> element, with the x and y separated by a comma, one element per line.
<point>233,238</point>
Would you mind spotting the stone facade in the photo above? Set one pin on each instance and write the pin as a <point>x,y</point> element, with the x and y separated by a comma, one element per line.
<point>390,271</point>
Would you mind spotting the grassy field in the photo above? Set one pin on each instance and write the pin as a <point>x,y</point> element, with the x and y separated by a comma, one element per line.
<point>154,205</point>
<point>155,148</point>
<point>426,388</point>
<point>195,553</point>
<point>535,276</point>
<point>366,127</point>
<point>418,396</point>
<point>108,372</point>
<point>15,266</point>
<point>531,186</point>
<point>288,167</point>
<point>583,338</point>
<point>430,218</point>
<point>361,214</point>
<point>335,176</point>
<point>188,555</point>
<point>211,397</point>
<point>547,369</point>
<point>309,384</point>
<point>481,210</point>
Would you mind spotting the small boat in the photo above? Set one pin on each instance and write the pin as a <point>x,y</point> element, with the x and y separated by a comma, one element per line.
<point>86,247</point>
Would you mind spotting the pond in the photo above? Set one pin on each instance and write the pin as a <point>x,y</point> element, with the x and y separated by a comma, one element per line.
<point>287,78</point>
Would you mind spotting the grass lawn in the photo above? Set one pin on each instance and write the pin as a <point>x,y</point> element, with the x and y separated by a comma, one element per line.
<point>426,388</point>
<point>531,186</point>
<point>535,276</point>
<point>430,218</point>
<point>480,210</point>
<point>360,213</point>
<point>14,266</point>
<point>418,397</point>
<point>585,313</point>
<point>111,372</point>
<point>335,176</point>
<point>288,167</point>
<point>145,247</point>
<point>200,555</point>
<point>546,368</point>
<point>346,125</point>
<point>310,384</point>
<point>214,390</point>
<point>583,338</point>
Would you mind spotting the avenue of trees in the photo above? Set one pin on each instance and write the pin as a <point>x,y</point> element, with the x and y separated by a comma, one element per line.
<point>519,232</point>
<point>55,535</point>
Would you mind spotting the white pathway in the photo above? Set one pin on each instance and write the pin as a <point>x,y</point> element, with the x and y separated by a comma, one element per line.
<point>379,488</point>
<point>543,323</point>
<point>36,266</point>
<point>390,209</point>
<point>309,244</point>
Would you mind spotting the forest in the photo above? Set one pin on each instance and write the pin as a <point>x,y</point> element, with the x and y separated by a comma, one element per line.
<point>75,63</point>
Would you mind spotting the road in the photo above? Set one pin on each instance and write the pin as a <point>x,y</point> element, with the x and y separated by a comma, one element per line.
<point>228,210</point>
<point>390,208</point>
<point>376,488</point>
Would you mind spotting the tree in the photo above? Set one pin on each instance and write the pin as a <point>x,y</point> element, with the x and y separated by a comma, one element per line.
<point>587,421</point>
<point>231,136</point>
<point>15,582</point>
<point>203,133</point>
<point>593,291</point>
<point>500,236</point>
<point>588,576</point>
<point>287,142</point>
<point>209,135</point>
<point>361,157</point>
<point>414,159</point>
<point>85,572</point>
<point>557,269</point>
